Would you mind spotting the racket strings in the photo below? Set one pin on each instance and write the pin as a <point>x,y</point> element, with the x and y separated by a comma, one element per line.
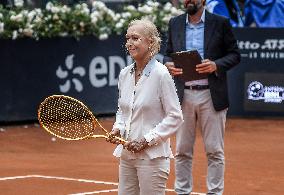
<point>67,118</point>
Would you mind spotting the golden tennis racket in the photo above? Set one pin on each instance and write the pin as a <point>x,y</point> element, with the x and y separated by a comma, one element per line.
<point>68,118</point>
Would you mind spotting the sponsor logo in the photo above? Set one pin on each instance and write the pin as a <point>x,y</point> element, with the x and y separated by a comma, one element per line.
<point>70,74</point>
<point>257,91</point>
<point>269,49</point>
<point>101,72</point>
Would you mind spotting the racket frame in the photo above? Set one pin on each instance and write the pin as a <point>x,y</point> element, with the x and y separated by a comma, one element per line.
<point>94,122</point>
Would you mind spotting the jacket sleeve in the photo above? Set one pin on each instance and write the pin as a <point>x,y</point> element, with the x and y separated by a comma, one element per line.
<point>173,114</point>
<point>169,44</point>
<point>232,55</point>
<point>119,122</point>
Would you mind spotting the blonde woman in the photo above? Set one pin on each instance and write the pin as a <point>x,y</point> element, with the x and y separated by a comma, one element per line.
<point>148,114</point>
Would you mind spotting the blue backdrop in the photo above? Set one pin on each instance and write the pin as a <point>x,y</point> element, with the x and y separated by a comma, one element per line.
<point>88,70</point>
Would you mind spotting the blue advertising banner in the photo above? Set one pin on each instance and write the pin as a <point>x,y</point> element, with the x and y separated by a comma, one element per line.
<point>262,62</point>
<point>32,70</point>
<point>88,70</point>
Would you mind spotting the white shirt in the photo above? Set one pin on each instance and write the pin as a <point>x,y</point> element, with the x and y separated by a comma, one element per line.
<point>149,109</point>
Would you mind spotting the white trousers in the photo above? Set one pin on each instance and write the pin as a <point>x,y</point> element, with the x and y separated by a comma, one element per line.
<point>143,176</point>
<point>197,107</point>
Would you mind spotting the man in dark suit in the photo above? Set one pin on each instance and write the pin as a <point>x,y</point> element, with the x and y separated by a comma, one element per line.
<point>204,101</point>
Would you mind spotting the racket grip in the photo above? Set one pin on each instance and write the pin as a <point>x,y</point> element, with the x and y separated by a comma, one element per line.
<point>113,139</point>
<point>121,140</point>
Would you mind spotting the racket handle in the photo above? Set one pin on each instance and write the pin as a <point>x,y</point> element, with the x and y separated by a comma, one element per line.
<point>121,140</point>
<point>113,139</point>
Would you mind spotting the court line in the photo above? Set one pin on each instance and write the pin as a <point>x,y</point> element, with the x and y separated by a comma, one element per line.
<point>95,192</point>
<point>59,178</point>
<point>115,190</point>
<point>80,180</point>
<point>15,177</point>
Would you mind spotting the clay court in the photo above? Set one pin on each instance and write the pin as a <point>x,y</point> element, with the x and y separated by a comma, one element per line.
<point>31,163</point>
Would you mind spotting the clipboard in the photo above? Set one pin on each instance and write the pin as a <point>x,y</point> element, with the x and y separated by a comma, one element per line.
<point>187,60</point>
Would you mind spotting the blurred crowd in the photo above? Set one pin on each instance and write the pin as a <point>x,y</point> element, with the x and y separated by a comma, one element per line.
<point>242,13</point>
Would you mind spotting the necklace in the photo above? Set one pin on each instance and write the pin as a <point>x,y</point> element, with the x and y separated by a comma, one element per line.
<point>139,73</point>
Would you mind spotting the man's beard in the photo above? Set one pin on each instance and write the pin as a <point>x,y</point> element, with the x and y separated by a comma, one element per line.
<point>193,8</point>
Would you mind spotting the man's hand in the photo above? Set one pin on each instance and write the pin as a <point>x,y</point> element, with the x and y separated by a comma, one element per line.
<point>207,66</point>
<point>172,69</point>
<point>111,138</point>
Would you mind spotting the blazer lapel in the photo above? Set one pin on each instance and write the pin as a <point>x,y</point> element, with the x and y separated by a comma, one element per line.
<point>208,31</point>
<point>181,32</point>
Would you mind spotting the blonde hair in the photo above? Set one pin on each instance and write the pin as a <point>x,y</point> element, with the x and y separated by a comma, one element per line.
<point>151,32</point>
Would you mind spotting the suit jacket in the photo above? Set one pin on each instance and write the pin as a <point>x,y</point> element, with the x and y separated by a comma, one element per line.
<point>220,46</point>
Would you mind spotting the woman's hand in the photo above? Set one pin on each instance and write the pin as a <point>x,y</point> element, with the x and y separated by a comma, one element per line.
<point>112,137</point>
<point>136,146</point>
